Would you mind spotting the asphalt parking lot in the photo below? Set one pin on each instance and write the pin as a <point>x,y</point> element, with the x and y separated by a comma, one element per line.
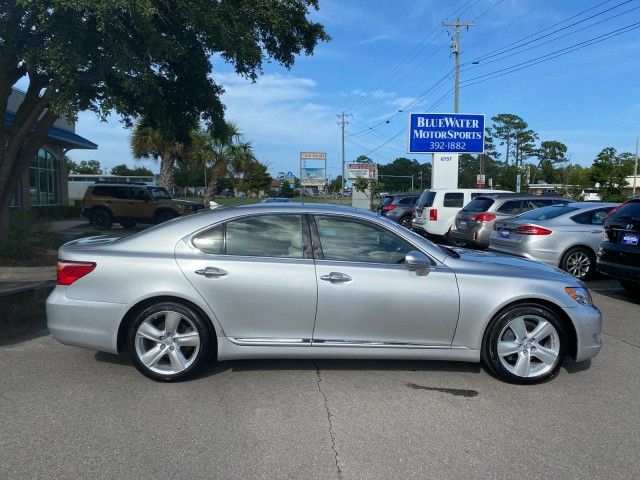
<point>67,412</point>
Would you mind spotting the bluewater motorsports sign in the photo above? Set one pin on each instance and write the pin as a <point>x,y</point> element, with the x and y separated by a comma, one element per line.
<point>446,133</point>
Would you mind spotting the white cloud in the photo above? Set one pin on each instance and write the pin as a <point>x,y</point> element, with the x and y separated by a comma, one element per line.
<point>377,38</point>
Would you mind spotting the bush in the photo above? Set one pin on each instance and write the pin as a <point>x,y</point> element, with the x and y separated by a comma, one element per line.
<point>14,249</point>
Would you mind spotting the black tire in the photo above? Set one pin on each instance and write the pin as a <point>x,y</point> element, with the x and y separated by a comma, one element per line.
<point>452,242</point>
<point>405,221</point>
<point>498,327</point>
<point>164,215</point>
<point>632,288</point>
<point>101,219</point>
<point>573,260</point>
<point>128,225</point>
<point>189,322</point>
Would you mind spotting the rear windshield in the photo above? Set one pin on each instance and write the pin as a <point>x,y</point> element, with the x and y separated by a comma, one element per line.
<point>426,199</point>
<point>480,204</point>
<point>630,212</point>
<point>546,213</point>
<point>386,201</point>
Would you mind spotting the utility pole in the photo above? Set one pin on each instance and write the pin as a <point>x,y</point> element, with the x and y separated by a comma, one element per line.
<point>342,122</point>
<point>635,167</point>
<point>455,49</point>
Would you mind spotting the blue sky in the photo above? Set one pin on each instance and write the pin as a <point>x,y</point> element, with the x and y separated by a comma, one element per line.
<point>588,99</point>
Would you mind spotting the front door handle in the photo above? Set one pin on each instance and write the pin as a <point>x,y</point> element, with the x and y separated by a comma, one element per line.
<point>212,272</point>
<point>336,277</point>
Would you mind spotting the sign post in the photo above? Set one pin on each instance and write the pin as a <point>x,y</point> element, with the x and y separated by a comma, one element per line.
<point>364,170</point>
<point>445,135</point>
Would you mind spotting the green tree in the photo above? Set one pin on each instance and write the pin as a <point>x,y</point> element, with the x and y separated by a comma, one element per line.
<point>85,167</point>
<point>125,171</point>
<point>403,166</point>
<point>551,154</point>
<point>371,188</point>
<point>363,159</point>
<point>506,128</point>
<point>148,58</point>
<point>609,172</point>
<point>335,185</point>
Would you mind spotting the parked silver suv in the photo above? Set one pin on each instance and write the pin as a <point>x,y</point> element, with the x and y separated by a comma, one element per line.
<point>474,223</point>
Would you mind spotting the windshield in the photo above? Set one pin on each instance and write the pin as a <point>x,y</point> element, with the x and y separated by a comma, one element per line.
<point>159,193</point>
<point>480,204</point>
<point>546,213</point>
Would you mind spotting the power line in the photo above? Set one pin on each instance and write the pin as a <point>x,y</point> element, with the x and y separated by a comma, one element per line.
<point>551,41</point>
<point>521,42</point>
<point>414,52</point>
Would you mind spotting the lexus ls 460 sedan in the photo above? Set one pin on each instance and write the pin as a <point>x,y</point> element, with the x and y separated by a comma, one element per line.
<point>313,281</point>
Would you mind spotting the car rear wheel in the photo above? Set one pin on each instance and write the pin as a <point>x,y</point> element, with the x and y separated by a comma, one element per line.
<point>101,219</point>
<point>527,344</point>
<point>405,221</point>
<point>452,241</point>
<point>168,341</point>
<point>579,262</point>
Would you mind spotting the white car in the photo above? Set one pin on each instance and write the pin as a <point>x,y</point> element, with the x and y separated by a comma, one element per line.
<point>437,209</point>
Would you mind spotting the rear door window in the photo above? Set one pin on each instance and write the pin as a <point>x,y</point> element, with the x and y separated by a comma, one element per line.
<point>537,203</point>
<point>453,200</point>
<point>511,207</point>
<point>480,204</point>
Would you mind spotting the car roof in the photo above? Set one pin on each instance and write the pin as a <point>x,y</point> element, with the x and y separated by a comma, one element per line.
<point>402,194</point>
<point>587,205</point>
<point>520,196</point>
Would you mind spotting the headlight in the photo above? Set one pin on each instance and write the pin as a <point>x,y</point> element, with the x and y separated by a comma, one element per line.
<point>580,295</point>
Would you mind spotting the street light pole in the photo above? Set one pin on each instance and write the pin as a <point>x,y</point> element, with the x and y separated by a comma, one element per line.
<point>635,167</point>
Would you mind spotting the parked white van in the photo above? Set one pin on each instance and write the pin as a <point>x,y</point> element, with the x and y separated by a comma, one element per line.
<point>437,209</point>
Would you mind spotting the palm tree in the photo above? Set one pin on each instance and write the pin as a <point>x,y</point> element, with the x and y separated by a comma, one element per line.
<point>149,142</point>
<point>222,153</point>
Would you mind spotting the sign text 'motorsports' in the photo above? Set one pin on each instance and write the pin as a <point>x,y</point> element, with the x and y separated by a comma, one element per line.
<point>446,133</point>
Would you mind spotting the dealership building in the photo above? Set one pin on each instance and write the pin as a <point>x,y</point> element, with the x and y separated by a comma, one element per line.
<point>45,181</point>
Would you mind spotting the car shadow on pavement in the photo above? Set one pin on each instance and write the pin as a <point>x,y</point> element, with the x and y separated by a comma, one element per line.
<point>214,368</point>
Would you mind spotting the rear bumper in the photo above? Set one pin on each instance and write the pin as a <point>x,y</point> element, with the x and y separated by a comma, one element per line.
<point>588,326</point>
<point>619,271</point>
<point>473,237</point>
<point>84,323</point>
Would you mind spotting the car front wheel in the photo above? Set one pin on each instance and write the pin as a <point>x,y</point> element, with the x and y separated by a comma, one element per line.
<point>101,219</point>
<point>526,344</point>
<point>168,341</point>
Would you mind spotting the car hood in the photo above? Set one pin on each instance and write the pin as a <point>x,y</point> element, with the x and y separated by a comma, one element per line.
<point>507,264</point>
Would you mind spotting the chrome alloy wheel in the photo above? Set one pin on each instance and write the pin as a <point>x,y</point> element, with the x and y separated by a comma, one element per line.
<point>578,264</point>
<point>528,346</point>
<point>167,342</point>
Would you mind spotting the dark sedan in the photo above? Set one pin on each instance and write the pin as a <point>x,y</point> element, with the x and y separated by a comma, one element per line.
<point>399,207</point>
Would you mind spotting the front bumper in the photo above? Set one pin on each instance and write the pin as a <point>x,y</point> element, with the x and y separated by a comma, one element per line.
<point>84,323</point>
<point>588,326</point>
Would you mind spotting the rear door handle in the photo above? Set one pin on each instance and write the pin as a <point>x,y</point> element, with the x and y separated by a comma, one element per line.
<point>336,277</point>
<point>212,272</point>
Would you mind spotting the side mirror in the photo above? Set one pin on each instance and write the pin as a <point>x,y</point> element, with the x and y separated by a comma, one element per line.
<point>417,262</point>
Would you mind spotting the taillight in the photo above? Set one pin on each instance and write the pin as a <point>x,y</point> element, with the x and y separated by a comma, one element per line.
<point>433,214</point>
<point>68,271</point>
<point>614,210</point>
<point>388,208</point>
<point>484,217</point>
<point>532,230</point>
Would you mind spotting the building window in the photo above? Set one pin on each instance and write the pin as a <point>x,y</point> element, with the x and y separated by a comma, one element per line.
<point>44,180</point>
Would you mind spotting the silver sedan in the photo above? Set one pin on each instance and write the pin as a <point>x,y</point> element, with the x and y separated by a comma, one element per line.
<point>565,236</point>
<point>314,281</point>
